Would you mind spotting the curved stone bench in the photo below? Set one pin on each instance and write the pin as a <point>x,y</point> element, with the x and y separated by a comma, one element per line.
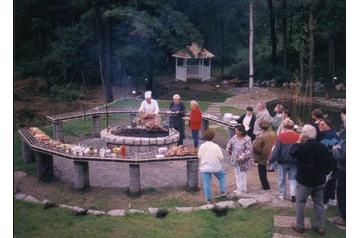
<point>44,158</point>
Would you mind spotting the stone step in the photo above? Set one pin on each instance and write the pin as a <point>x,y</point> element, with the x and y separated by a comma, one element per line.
<point>288,221</point>
<point>278,235</point>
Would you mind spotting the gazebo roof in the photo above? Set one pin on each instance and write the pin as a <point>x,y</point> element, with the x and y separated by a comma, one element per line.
<point>193,51</point>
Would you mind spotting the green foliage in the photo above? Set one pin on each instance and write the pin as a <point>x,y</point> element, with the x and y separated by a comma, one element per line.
<point>60,44</point>
<point>67,92</point>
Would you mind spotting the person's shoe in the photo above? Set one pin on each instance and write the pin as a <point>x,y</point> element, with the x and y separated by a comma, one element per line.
<point>296,229</point>
<point>281,197</point>
<point>224,194</point>
<point>208,201</point>
<point>325,206</point>
<point>332,202</point>
<point>271,170</point>
<point>339,221</point>
<point>236,191</point>
<point>293,199</point>
<point>319,231</point>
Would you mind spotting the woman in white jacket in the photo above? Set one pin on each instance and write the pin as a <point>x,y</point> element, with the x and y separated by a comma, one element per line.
<point>210,156</point>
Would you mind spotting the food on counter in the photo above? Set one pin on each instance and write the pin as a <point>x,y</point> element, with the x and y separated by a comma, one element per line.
<point>159,156</point>
<point>120,151</point>
<point>162,150</point>
<point>181,151</point>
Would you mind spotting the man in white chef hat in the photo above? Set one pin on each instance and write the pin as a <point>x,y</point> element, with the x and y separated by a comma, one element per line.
<point>149,111</point>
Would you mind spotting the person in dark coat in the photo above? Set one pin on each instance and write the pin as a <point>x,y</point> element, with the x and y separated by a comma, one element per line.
<point>317,115</point>
<point>178,111</point>
<point>329,138</point>
<point>314,163</point>
<point>248,121</point>
<point>339,153</point>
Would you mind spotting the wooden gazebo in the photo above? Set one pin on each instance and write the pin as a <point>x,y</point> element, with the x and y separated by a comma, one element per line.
<point>193,62</point>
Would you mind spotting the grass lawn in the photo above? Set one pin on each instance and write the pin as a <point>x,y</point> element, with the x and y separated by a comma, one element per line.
<point>199,95</point>
<point>32,221</point>
<point>163,104</point>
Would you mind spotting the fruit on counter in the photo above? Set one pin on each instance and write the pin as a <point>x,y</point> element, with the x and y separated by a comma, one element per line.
<point>120,151</point>
<point>116,150</point>
<point>123,151</point>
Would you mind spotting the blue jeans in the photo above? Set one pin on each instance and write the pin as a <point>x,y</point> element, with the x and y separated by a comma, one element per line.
<point>195,135</point>
<point>283,170</point>
<point>207,183</point>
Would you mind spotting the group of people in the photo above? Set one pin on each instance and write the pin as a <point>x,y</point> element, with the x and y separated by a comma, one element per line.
<point>149,116</point>
<point>313,160</point>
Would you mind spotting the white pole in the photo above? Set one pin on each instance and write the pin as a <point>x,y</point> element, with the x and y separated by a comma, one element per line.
<point>251,41</point>
<point>176,68</point>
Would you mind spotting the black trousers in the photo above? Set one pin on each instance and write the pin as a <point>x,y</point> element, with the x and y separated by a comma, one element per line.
<point>341,192</point>
<point>330,189</point>
<point>263,177</point>
<point>180,129</point>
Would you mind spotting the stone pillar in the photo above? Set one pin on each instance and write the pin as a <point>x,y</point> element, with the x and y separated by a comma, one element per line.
<point>96,126</point>
<point>134,178</point>
<point>192,175</point>
<point>44,167</point>
<point>204,127</point>
<point>57,127</point>
<point>81,175</point>
<point>132,116</point>
<point>27,154</point>
<point>231,132</point>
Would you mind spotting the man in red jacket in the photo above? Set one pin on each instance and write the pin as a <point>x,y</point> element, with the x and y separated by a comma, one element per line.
<point>195,122</point>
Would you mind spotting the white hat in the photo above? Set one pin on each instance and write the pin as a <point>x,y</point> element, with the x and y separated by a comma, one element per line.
<point>148,94</point>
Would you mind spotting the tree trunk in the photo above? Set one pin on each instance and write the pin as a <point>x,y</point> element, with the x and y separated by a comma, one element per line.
<point>104,48</point>
<point>331,68</point>
<point>301,55</point>
<point>251,47</point>
<point>311,50</point>
<point>273,33</point>
<point>284,32</point>
<point>222,39</point>
<point>108,56</point>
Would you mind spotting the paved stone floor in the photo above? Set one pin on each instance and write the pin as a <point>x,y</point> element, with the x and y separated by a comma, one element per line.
<point>169,174</point>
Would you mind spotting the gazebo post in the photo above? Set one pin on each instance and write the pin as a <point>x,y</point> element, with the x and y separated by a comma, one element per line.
<point>202,69</point>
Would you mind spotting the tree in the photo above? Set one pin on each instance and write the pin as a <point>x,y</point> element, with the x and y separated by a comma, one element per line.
<point>311,26</point>
<point>251,47</point>
<point>273,33</point>
<point>284,33</point>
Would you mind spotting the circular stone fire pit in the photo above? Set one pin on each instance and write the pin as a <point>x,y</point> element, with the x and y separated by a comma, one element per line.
<point>138,139</point>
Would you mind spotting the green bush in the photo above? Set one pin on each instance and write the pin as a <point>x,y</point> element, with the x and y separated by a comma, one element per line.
<point>67,92</point>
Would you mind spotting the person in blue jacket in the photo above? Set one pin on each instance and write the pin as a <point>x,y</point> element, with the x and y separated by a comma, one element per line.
<point>329,138</point>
